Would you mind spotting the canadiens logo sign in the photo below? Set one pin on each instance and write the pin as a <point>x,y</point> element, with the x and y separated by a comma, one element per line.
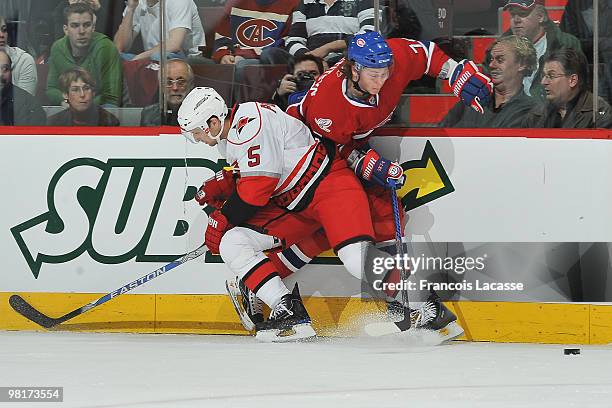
<point>256,33</point>
<point>360,42</point>
<point>324,124</point>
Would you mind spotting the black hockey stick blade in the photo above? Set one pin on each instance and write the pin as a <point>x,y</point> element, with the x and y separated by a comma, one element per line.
<point>405,323</point>
<point>25,309</point>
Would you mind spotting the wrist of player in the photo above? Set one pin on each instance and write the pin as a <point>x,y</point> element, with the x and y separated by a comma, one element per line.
<point>218,224</point>
<point>217,188</point>
<point>374,168</point>
<point>471,86</point>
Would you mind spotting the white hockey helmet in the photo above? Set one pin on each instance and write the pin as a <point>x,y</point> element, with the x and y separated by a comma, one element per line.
<point>201,104</point>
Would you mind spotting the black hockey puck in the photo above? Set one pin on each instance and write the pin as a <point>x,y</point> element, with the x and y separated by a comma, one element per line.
<point>571,351</point>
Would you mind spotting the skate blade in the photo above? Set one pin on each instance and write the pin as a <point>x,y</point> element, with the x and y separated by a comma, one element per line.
<point>447,333</point>
<point>298,332</point>
<point>233,292</point>
<point>451,331</point>
<point>378,329</point>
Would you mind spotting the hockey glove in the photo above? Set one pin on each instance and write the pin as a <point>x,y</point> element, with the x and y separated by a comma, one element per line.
<point>217,226</point>
<point>372,167</point>
<point>473,87</point>
<point>217,189</point>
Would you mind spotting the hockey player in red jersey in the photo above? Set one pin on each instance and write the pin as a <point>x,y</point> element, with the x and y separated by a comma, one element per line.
<point>358,95</point>
<point>289,187</point>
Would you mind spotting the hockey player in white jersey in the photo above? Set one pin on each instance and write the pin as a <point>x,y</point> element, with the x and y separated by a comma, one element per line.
<point>289,187</point>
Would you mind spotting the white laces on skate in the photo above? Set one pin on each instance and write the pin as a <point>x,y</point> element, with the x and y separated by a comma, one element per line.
<point>426,314</point>
<point>255,304</point>
<point>279,309</point>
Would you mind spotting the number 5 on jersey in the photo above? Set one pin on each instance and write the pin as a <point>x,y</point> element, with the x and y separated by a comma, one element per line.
<point>254,157</point>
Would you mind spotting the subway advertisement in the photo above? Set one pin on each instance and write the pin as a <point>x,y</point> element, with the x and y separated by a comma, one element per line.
<point>488,219</point>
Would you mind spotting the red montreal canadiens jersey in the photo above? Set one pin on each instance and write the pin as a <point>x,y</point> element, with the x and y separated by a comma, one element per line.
<point>277,155</point>
<point>330,113</point>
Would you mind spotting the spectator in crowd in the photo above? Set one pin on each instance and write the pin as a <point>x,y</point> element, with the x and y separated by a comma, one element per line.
<point>79,88</point>
<point>569,104</point>
<point>179,82</point>
<point>17,12</point>
<point>93,51</point>
<point>17,107</point>
<point>512,59</point>
<point>304,70</point>
<point>321,27</point>
<point>529,18</point>
<point>184,33</point>
<point>108,15</point>
<point>251,32</point>
<point>579,20</point>
<point>23,68</point>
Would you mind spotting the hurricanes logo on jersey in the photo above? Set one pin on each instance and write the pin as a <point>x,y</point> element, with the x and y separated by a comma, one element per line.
<point>242,122</point>
<point>324,124</point>
<point>255,33</point>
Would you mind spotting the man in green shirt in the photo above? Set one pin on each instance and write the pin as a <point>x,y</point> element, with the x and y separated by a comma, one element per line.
<point>82,46</point>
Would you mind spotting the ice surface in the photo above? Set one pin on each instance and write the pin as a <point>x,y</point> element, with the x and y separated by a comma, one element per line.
<point>136,370</point>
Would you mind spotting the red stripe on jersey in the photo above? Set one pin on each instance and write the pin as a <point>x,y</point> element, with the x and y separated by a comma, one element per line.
<point>256,190</point>
<point>296,169</point>
<point>260,274</point>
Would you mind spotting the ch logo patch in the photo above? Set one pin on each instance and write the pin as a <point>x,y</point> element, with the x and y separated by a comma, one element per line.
<point>256,33</point>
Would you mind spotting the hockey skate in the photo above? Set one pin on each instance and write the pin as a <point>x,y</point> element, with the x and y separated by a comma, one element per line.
<point>289,321</point>
<point>433,315</point>
<point>247,305</point>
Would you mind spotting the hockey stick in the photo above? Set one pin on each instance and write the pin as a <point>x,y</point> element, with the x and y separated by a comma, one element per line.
<point>383,328</point>
<point>403,324</point>
<point>28,311</point>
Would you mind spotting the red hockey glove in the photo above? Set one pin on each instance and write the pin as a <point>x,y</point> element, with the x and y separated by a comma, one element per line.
<point>217,226</point>
<point>473,87</point>
<point>217,189</point>
<point>372,167</point>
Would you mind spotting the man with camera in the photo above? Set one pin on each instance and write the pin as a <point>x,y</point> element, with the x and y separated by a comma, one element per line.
<point>304,70</point>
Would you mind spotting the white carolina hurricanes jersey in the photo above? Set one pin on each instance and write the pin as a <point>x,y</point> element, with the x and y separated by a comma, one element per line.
<point>277,156</point>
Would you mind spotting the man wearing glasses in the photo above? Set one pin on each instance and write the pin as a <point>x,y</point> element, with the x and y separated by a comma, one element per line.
<point>529,18</point>
<point>569,104</point>
<point>17,107</point>
<point>178,83</point>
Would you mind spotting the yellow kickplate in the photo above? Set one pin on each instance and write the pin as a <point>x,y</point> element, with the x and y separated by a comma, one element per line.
<point>331,316</point>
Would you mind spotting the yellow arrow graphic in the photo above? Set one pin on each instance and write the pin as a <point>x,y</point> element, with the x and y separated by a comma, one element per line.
<point>425,180</point>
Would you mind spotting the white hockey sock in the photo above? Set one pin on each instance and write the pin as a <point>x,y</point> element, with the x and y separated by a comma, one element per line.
<point>272,291</point>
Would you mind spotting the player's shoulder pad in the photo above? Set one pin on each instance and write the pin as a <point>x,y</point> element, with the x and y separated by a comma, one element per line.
<point>246,123</point>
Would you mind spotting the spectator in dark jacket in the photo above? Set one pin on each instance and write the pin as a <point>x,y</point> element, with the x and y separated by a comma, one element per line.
<point>304,70</point>
<point>17,107</point>
<point>512,59</point>
<point>529,18</point>
<point>569,104</point>
<point>79,90</point>
<point>178,83</point>
<point>579,20</point>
